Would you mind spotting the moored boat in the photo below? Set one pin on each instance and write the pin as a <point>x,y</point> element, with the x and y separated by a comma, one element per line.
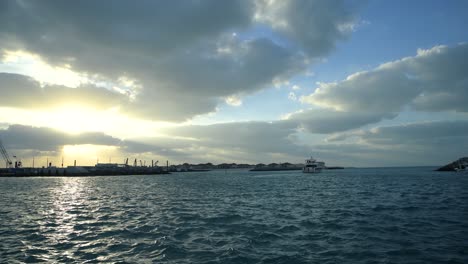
<point>313,166</point>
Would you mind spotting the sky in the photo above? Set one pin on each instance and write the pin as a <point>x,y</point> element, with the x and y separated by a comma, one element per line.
<point>352,83</point>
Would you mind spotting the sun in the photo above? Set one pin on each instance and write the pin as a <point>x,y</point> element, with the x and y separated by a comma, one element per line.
<point>89,153</point>
<point>78,119</point>
<point>75,119</point>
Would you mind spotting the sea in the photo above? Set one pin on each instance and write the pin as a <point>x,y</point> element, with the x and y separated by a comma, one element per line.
<point>356,215</point>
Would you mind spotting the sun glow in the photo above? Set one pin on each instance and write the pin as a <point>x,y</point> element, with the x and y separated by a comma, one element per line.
<point>88,154</point>
<point>23,62</point>
<point>76,119</point>
<point>87,149</point>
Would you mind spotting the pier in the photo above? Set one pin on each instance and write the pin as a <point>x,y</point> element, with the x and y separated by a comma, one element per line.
<point>97,170</point>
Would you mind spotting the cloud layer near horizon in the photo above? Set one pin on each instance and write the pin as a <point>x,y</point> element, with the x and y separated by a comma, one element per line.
<point>240,142</point>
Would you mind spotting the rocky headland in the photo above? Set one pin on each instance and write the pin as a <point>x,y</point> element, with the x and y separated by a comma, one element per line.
<point>460,164</point>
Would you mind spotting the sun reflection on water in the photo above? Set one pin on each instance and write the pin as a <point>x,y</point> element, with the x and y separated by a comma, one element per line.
<point>69,203</point>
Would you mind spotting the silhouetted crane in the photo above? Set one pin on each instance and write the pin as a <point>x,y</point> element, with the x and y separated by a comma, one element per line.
<point>5,155</point>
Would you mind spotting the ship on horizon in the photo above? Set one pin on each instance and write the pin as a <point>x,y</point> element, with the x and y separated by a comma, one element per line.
<point>313,166</point>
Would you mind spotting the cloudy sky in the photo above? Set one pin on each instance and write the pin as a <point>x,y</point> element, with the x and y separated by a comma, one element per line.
<point>353,83</point>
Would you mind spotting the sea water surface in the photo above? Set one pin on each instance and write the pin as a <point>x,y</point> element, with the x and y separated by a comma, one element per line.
<point>393,215</point>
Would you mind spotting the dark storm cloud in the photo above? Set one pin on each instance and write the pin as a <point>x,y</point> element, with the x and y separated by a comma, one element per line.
<point>181,53</point>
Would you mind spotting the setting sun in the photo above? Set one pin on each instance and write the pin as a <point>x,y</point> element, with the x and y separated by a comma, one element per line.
<point>77,119</point>
<point>88,153</point>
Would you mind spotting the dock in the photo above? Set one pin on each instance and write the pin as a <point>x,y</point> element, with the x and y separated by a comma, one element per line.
<point>97,170</point>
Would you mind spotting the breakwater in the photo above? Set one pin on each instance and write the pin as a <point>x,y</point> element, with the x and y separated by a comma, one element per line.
<point>82,171</point>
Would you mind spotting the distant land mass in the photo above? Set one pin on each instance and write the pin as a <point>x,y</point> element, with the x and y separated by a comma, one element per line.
<point>286,166</point>
<point>125,169</point>
<point>211,166</point>
<point>460,164</point>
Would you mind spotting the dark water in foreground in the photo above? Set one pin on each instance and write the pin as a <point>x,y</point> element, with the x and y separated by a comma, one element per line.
<point>404,215</point>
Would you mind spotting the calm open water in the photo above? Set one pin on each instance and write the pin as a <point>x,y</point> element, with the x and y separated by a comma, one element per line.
<point>397,215</point>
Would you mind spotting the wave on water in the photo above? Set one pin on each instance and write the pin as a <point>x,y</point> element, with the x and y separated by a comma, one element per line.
<point>407,215</point>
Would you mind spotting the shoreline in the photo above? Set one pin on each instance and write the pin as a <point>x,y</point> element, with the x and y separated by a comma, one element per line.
<point>80,172</point>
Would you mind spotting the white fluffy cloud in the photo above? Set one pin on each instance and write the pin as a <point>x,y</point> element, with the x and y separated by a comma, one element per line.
<point>311,24</point>
<point>292,96</point>
<point>234,101</point>
<point>433,80</point>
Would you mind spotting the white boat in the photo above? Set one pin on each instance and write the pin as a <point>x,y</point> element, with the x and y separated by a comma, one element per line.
<point>461,167</point>
<point>313,166</point>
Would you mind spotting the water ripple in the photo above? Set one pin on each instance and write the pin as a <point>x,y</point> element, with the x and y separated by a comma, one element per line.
<point>409,215</point>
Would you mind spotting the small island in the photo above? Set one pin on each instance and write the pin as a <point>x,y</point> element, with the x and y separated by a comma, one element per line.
<point>459,165</point>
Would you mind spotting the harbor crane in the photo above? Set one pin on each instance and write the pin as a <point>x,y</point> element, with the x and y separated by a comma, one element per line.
<point>5,155</point>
